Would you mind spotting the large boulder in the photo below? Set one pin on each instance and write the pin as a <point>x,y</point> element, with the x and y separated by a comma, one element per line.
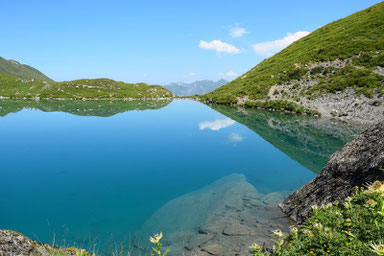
<point>359,162</point>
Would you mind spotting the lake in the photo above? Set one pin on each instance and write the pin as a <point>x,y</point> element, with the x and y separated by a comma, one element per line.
<point>106,175</point>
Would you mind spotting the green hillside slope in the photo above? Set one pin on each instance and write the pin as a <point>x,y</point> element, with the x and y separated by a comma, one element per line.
<point>345,54</point>
<point>84,89</point>
<point>14,68</point>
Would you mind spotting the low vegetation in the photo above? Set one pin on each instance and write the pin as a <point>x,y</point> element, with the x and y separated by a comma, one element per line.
<point>363,81</point>
<point>354,228</point>
<point>97,89</point>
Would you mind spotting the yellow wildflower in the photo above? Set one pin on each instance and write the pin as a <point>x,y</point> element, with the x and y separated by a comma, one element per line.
<point>375,188</point>
<point>370,203</point>
<point>156,238</point>
<point>293,229</point>
<point>278,232</point>
<point>315,207</point>
<point>329,205</point>
<point>255,248</point>
<point>378,248</point>
<point>318,225</point>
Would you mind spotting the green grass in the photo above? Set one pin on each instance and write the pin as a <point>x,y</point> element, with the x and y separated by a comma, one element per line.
<point>96,89</point>
<point>363,81</point>
<point>358,33</point>
<point>13,68</point>
<point>351,229</point>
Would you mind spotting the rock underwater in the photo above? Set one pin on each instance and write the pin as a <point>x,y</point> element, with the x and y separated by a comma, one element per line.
<point>358,163</point>
<point>223,218</point>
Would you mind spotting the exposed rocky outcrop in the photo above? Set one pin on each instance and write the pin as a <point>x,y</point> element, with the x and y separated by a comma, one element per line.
<point>359,162</point>
<point>13,243</point>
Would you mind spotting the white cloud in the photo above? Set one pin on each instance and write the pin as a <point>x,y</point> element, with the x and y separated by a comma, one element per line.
<point>235,137</point>
<point>216,125</point>
<point>267,49</point>
<point>218,46</point>
<point>237,32</point>
<point>228,74</point>
<point>190,74</point>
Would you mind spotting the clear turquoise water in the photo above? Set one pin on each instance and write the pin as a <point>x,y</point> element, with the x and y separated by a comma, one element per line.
<point>69,178</point>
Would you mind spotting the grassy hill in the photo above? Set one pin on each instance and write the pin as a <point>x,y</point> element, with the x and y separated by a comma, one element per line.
<point>344,55</point>
<point>14,68</point>
<point>89,89</point>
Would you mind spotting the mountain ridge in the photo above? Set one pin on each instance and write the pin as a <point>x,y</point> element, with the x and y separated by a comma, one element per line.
<point>14,68</point>
<point>195,88</point>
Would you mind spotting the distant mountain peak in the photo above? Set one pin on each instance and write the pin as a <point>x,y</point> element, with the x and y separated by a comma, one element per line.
<point>195,88</point>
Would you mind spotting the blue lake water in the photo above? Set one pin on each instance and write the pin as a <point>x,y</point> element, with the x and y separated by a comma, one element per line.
<point>96,173</point>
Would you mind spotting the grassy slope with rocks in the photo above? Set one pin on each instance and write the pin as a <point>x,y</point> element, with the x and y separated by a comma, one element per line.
<point>357,41</point>
<point>14,68</point>
<point>92,89</point>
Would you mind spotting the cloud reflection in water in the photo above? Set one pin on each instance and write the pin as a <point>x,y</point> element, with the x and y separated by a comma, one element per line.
<point>217,124</point>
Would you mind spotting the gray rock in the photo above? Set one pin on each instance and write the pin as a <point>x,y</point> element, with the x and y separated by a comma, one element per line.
<point>198,241</point>
<point>237,229</point>
<point>213,249</point>
<point>13,243</point>
<point>356,164</point>
<point>200,253</point>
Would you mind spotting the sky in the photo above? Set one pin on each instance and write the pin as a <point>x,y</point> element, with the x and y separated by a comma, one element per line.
<point>158,42</point>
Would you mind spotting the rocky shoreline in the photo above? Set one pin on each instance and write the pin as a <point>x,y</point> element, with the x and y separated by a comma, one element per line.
<point>16,244</point>
<point>357,164</point>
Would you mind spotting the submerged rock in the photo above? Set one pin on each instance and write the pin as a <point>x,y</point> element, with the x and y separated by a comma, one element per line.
<point>223,218</point>
<point>359,162</point>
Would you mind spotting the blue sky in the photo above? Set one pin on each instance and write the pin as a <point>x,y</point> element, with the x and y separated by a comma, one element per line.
<point>157,42</point>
